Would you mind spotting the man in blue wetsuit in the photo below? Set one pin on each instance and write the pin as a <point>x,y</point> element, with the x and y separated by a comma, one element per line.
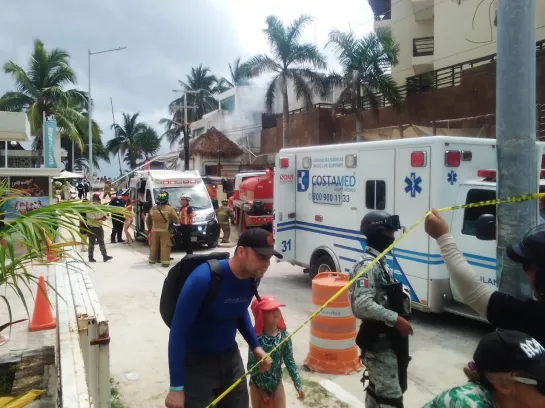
<point>204,359</point>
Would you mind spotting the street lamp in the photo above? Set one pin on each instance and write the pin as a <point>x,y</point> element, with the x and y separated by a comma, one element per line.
<point>89,109</point>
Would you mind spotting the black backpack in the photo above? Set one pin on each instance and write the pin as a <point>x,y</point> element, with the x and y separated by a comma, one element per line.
<point>179,273</point>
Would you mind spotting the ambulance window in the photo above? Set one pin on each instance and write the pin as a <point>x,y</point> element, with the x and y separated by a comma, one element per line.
<point>471,215</point>
<point>375,194</point>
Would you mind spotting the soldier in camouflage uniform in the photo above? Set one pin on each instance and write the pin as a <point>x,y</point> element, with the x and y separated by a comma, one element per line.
<point>370,303</point>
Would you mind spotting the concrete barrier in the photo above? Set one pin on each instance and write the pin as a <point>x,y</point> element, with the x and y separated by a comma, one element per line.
<point>83,339</point>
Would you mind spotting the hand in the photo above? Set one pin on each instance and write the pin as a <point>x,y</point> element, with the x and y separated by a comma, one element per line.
<point>259,353</point>
<point>300,394</point>
<point>435,225</point>
<point>403,327</point>
<point>175,399</point>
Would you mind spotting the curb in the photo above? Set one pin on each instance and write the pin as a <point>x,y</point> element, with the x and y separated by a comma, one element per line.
<point>340,393</point>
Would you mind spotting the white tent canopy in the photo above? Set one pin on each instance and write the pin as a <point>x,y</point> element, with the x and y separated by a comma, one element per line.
<point>68,175</point>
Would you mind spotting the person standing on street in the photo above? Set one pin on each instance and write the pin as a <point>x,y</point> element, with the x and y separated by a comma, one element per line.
<point>384,308</point>
<point>159,219</point>
<point>128,222</point>
<point>107,189</point>
<point>117,219</point>
<point>96,232</point>
<point>86,188</point>
<point>81,190</point>
<point>204,358</point>
<point>186,223</point>
<point>225,215</point>
<point>500,309</point>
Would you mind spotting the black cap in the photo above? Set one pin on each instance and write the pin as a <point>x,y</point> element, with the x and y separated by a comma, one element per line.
<point>531,249</point>
<point>259,240</point>
<point>506,351</point>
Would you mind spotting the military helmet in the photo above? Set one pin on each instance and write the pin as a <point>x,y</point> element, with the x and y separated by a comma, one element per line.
<point>376,222</point>
<point>162,197</point>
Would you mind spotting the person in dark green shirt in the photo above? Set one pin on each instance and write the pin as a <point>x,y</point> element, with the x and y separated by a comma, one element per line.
<point>266,388</point>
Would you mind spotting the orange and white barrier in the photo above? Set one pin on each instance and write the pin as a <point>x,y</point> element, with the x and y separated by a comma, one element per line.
<point>333,331</point>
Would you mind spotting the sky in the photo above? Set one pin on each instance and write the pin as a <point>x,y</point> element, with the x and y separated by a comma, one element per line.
<point>164,39</point>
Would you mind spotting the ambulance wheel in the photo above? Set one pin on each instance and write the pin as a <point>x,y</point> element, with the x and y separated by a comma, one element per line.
<point>322,263</point>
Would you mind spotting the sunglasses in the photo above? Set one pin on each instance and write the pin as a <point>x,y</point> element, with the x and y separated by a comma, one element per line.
<point>539,385</point>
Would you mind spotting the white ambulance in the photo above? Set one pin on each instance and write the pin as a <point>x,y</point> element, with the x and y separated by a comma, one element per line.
<point>146,184</point>
<point>321,194</point>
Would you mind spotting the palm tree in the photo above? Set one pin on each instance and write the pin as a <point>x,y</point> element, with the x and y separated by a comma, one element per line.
<point>291,62</point>
<point>366,63</point>
<point>41,89</point>
<point>125,138</point>
<point>174,127</point>
<point>201,79</point>
<point>148,143</point>
<point>240,73</point>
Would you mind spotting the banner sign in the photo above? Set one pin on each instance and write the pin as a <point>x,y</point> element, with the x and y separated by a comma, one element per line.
<point>37,189</point>
<point>50,136</point>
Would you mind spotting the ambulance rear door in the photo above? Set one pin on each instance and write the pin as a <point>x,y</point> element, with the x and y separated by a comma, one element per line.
<point>285,184</point>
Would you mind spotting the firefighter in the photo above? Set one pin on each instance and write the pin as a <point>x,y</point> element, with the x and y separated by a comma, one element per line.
<point>384,308</point>
<point>186,223</point>
<point>160,217</point>
<point>225,214</point>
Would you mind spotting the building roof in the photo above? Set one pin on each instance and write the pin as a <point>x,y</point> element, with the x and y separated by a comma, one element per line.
<point>213,143</point>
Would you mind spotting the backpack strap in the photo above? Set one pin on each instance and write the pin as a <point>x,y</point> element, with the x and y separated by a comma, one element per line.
<point>215,270</point>
<point>255,283</point>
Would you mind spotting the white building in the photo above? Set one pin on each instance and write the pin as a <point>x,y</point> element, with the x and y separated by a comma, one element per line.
<point>434,34</point>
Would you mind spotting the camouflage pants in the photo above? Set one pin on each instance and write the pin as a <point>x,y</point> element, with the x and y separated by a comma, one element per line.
<point>381,364</point>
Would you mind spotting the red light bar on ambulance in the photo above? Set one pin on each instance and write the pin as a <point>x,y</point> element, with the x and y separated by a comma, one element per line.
<point>453,158</point>
<point>418,159</point>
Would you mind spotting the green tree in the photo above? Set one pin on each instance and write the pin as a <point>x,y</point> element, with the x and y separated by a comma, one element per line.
<point>148,143</point>
<point>202,80</point>
<point>126,136</point>
<point>42,89</point>
<point>366,63</point>
<point>174,128</point>
<point>291,62</point>
<point>240,73</point>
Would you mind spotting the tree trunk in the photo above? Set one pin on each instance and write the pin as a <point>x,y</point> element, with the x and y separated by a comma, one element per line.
<point>359,125</point>
<point>285,115</point>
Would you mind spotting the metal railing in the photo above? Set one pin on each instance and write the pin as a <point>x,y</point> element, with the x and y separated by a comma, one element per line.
<point>423,46</point>
<point>446,77</point>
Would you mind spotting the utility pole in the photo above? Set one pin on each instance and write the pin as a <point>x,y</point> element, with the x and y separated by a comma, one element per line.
<point>516,135</point>
<point>186,135</point>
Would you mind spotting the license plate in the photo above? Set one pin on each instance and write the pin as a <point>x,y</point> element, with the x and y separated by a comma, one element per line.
<point>193,239</point>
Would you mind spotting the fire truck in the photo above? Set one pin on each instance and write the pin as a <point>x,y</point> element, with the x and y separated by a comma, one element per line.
<point>252,199</point>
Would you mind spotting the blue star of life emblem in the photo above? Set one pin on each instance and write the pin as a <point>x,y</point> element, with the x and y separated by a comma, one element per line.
<point>452,177</point>
<point>412,184</point>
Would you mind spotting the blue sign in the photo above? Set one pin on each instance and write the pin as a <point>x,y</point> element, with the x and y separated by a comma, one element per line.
<point>452,177</point>
<point>303,178</point>
<point>50,136</point>
<point>412,185</point>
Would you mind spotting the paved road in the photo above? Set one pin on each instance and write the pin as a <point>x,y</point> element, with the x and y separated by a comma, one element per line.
<point>129,289</point>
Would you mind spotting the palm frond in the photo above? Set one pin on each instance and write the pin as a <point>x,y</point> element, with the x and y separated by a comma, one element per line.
<point>270,95</point>
<point>262,64</point>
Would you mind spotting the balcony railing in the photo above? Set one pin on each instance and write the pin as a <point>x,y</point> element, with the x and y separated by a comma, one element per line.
<point>422,46</point>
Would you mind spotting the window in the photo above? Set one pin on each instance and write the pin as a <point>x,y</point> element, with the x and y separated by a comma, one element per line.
<point>375,194</point>
<point>471,215</point>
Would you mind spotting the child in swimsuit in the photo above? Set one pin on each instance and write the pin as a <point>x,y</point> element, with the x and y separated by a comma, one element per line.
<point>266,389</point>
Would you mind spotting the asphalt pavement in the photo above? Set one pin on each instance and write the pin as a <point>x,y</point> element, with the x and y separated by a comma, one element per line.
<point>129,289</point>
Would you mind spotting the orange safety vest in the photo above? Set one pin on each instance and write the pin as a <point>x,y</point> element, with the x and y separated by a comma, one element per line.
<point>185,218</point>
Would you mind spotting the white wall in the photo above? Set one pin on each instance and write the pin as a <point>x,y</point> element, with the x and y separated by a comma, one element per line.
<point>404,29</point>
<point>298,104</point>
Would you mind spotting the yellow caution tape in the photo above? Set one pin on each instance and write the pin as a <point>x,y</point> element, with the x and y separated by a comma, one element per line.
<point>20,401</point>
<point>518,199</point>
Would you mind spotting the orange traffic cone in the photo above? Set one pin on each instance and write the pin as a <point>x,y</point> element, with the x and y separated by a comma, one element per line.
<point>42,318</point>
